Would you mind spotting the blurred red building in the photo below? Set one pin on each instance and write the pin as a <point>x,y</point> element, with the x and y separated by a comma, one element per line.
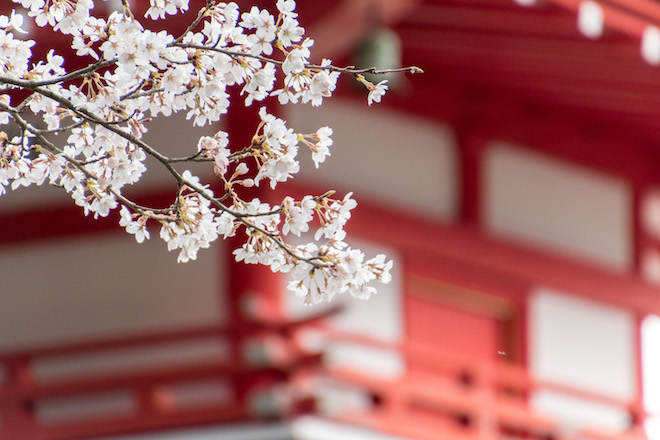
<point>516,184</point>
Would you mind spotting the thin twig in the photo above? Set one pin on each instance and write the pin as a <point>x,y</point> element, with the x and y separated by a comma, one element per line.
<point>351,70</point>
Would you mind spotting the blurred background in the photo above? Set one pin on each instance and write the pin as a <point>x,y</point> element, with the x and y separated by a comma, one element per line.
<point>515,184</point>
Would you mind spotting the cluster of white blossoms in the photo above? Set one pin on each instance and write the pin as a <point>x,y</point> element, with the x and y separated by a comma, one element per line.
<point>82,130</point>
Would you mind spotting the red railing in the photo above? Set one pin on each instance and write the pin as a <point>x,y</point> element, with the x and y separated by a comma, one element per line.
<point>254,372</point>
<point>443,395</point>
<point>185,378</point>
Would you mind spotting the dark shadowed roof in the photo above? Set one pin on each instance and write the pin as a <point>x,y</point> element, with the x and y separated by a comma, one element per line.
<point>534,55</point>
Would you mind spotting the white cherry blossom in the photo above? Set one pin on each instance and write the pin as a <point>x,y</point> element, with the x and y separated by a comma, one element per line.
<point>85,131</point>
<point>286,7</point>
<point>376,92</point>
<point>13,22</point>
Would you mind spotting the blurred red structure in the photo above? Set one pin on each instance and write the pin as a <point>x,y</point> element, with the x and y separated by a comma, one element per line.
<point>474,291</point>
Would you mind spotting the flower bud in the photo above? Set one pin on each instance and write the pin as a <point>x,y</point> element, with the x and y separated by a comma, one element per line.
<point>242,168</point>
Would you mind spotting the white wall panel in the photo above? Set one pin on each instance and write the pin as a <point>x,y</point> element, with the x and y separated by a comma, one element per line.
<point>582,343</point>
<point>651,374</point>
<point>587,346</point>
<point>384,156</point>
<point>103,286</point>
<point>538,200</point>
<point>574,413</point>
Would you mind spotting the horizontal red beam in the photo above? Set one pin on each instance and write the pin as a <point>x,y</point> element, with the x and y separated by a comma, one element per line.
<point>142,422</point>
<point>649,9</point>
<point>608,62</point>
<point>635,108</point>
<point>107,382</point>
<point>619,17</point>
<point>505,19</point>
<point>418,243</point>
<point>276,326</point>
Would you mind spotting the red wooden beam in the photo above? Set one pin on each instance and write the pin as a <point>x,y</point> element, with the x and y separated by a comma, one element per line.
<point>578,59</point>
<point>153,377</point>
<point>512,20</point>
<point>548,89</point>
<point>458,255</point>
<point>142,423</point>
<point>647,9</point>
<point>618,19</point>
<point>470,148</point>
<point>271,326</point>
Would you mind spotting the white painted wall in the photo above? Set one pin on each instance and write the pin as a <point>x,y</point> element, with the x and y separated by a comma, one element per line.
<point>585,345</point>
<point>100,286</point>
<point>534,199</point>
<point>384,156</point>
<point>651,374</point>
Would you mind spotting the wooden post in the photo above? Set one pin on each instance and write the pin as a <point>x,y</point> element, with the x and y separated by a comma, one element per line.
<point>16,414</point>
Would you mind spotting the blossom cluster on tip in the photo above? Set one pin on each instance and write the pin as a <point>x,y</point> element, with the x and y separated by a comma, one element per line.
<point>320,270</point>
<point>62,15</point>
<point>86,135</point>
<point>350,273</point>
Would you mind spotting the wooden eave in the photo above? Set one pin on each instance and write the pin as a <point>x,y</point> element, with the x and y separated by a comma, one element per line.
<point>532,55</point>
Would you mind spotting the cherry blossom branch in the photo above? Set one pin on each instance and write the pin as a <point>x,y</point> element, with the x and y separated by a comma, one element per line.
<point>351,70</point>
<point>161,214</point>
<point>151,212</point>
<point>147,73</point>
<point>59,79</point>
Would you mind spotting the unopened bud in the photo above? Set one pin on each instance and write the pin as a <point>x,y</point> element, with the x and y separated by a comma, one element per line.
<point>242,168</point>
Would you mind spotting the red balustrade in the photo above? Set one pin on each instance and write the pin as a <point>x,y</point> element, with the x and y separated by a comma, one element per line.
<point>124,391</point>
<point>445,395</point>
<point>438,394</point>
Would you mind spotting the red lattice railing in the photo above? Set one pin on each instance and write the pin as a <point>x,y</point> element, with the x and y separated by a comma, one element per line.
<point>259,371</point>
<point>446,396</point>
<point>194,377</point>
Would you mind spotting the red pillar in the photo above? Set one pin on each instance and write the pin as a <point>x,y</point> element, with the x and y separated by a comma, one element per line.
<point>18,420</point>
<point>252,291</point>
<point>244,279</point>
<point>470,148</point>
